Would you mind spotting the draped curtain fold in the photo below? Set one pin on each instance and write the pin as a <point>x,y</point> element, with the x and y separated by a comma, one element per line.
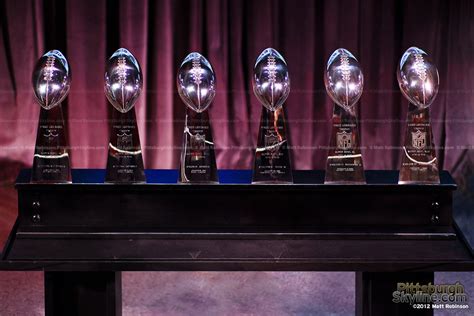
<point>231,34</point>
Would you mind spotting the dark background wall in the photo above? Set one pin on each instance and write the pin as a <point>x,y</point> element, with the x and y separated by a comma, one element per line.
<point>232,34</point>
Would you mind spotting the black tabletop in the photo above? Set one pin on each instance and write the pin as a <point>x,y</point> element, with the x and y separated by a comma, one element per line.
<point>239,177</point>
<point>235,225</point>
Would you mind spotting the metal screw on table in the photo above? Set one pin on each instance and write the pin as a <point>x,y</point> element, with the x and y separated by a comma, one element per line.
<point>36,218</point>
<point>435,205</point>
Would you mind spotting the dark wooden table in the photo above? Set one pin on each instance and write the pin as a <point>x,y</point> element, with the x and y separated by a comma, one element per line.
<point>82,235</point>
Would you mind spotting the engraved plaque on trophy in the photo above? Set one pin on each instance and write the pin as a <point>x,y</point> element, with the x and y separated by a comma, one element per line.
<point>123,84</point>
<point>344,83</point>
<point>196,84</point>
<point>271,85</point>
<point>419,81</point>
<point>51,83</point>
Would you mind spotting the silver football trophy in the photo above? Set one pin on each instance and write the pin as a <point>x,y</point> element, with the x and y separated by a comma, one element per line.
<point>344,83</point>
<point>51,83</point>
<point>196,84</point>
<point>271,85</point>
<point>123,84</point>
<point>419,81</point>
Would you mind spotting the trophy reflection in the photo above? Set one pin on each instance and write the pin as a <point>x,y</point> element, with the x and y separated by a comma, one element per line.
<point>419,81</point>
<point>123,84</point>
<point>344,83</point>
<point>51,83</point>
<point>196,87</point>
<point>271,85</point>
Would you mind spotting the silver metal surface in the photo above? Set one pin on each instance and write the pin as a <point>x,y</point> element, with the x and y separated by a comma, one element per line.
<point>51,79</point>
<point>196,82</point>
<point>123,80</point>
<point>271,81</point>
<point>343,78</point>
<point>418,77</point>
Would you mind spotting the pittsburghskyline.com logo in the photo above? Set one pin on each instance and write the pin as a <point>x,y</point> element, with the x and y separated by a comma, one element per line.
<point>431,296</point>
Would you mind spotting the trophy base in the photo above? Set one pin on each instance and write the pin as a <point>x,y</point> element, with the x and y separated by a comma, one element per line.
<point>344,163</point>
<point>198,182</point>
<point>125,161</point>
<point>272,158</point>
<point>198,159</point>
<point>120,170</point>
<point>51,159</point>
<point>418,182</point>
<point>271,182</point>
<point>344,182</point>
<point>51,170</point>
<point>419,163</point>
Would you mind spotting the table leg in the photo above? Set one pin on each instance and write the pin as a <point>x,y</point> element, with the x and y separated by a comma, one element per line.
<point>83,293</point>
<point>374,293</point>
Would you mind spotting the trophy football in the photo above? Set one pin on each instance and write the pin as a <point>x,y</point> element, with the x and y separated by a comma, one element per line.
<point>419,81</point>
<point>51,83</point>
<point>344,83</point>
<point>196,84</point>
<point>123,84</point>
<point>271,85</point>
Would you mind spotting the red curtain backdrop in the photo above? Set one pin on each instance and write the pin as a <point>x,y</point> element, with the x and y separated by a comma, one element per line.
<point>231,34</point>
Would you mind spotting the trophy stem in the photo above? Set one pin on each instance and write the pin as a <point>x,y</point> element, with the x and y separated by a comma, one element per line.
<point>198,159</point>
<point>344,163</point>
<point>272,158</point>
<point>419,163</point>
<point>51,160</point>
<point>125,161</point>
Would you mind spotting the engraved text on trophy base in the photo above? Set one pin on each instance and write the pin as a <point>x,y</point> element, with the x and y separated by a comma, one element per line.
<point>344,163</point>
<point>272,158</point>
<point>198,162</point>
<point>51,159</point>
<point>419,163</point>
<point>125,161</point>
